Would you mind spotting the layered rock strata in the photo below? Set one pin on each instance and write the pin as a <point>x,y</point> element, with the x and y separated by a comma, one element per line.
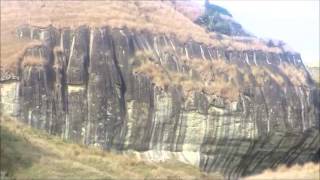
<point>88,90</point>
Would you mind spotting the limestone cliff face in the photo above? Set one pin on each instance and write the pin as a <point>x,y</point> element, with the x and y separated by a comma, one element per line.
<point>89,91</point>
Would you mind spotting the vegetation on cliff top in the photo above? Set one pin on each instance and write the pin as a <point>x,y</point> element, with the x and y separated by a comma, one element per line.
<point>154,16</point>
<point>216,77</point>
<point>172,17</point>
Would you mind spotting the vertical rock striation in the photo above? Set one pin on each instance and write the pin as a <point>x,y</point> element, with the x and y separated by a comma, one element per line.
<point>90,91</point>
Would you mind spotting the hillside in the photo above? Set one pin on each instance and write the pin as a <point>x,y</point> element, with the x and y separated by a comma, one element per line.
<point>176,20</point>
<point>28,153</point>
<point>218,19</point>
<point>156,16</point>
<point>146,77</point>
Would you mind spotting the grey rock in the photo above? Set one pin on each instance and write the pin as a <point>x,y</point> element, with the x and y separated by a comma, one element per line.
<point>88,93</point>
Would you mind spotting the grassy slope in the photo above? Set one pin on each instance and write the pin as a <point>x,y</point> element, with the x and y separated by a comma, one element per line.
<point>28,153</point>
<point>32,154</point>
<point>155,16</point>
<point>308,171</point>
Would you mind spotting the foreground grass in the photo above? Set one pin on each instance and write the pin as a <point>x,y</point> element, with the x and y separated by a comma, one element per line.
<point>31,154</point>
<point>27,153</point>
<point>308,171</point>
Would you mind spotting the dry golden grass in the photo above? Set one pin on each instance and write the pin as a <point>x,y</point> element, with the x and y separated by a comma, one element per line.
<point>164,78</point>
<point>297,77</point>
<point>27,153</point>
<point>12,53</point>
<point>263,74</point>
<point>155,72</point>
<point>219,77</point>
<point>155,16</point>
<point>226,90</point>
<point>215,77</point>
<point>32,61</point>
<point>259,74</point>
<point>308,171</point>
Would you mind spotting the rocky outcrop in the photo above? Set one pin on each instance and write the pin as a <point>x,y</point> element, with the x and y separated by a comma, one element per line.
<point>218,19</point>
<point>90,91</point>
<point>315,73</point>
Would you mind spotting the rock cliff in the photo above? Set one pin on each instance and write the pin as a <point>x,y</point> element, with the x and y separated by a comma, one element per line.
<point>218,19</point>
<point>232,111</point>
<point>314,72</point>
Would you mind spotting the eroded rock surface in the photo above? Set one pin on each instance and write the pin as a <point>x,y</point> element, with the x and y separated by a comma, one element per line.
<point>90,91</point>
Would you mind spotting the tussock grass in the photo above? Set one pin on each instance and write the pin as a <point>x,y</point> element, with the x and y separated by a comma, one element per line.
<point>12,53</point>
<point>218,77</point>
<point>215,77</point>
<point>156,72</point>
<point>154,16</point>
<point>169,17</point>
<point>263,74</point>
<point>297,77</point>
<point>32,61</point>
<point>308,171</point>
<point>27,153</point>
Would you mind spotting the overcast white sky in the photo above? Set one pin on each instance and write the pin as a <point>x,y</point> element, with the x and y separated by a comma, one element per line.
<point>296,22</point>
